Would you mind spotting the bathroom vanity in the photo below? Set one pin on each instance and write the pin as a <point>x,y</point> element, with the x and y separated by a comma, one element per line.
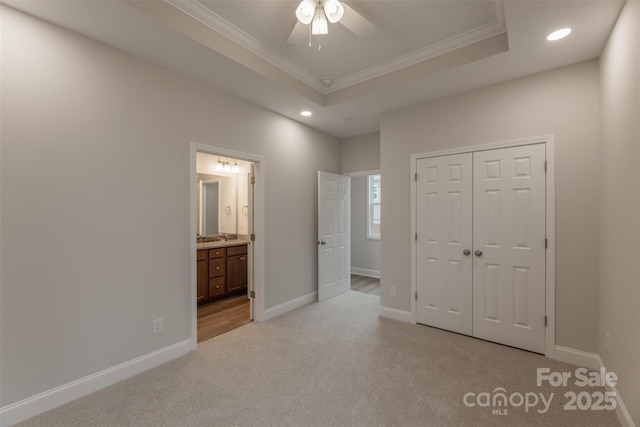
<point>222,270</point>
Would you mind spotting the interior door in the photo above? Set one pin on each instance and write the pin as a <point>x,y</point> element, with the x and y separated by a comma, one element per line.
<point>251,246</point>
<point>509,246</point>
<point>444,213</point>
<point>334,234</point>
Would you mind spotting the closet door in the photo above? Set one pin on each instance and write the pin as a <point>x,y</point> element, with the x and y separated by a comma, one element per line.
<point>444,263</point>
<point>509,246</point>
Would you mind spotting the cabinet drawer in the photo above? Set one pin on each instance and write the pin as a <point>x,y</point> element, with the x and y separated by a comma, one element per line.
<point>236,250</point>
<point>216,287</point>
<point>217,252</point>
<point>202,255</point>
<point>217,267</point>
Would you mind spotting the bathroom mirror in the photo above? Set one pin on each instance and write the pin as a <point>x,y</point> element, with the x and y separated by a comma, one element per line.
<point>218,206</point>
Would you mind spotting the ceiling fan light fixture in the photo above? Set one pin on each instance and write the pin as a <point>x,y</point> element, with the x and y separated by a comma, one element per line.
<point>305,11</point>
<point>334,10</point>
<point>319,24</point>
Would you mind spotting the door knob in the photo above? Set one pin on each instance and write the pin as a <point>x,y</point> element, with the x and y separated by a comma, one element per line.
<point>322,243</point>
<point>466,252</point>
<point>478,252</point>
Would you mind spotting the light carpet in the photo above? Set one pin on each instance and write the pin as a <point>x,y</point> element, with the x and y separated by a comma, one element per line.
<point>334,363</point>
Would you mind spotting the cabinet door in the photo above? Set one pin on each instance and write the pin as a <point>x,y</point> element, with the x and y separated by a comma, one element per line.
<point>236,272</point>
<point>203,280</point>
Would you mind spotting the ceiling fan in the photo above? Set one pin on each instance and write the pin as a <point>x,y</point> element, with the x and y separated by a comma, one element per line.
<point>314,16</point>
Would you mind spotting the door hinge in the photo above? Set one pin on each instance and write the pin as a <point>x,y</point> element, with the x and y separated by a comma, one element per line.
<point>545,166</point>
<point>416,296</point>
<point>415,237</point>
<point>546,243</point>
<point>253,294</point>
<point>415,177</point>
<point>545,321</point>
<point>253,179</point>
<point>253,237</point>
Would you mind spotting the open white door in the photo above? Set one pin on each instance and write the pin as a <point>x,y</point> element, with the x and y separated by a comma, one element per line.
<point>334,234</point>
<point>251,248</point>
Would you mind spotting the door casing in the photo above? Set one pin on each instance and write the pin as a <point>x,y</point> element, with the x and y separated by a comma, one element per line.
<point>548,140</point>
<point>256,248</point>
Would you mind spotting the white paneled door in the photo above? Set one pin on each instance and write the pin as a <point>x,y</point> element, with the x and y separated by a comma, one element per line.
<point>481,244</point>
<point>334,234</point>
<point>444,244</point>
<point>509,246</point>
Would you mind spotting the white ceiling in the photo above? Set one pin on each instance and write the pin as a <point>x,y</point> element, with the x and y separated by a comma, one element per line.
<point>415,51</point>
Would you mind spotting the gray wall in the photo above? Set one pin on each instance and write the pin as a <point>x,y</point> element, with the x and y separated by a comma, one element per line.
<point>619,284</point>
<point>365,253</point>
<point>360,153</point>
<point>109,134</point>
<point>563,102</point>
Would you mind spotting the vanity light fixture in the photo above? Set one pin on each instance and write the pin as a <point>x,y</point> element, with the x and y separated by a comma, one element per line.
<point>559,34</point>
<point>226,166</point>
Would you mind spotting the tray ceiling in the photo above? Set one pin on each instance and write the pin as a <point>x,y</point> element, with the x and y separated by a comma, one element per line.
<point>416,51</point>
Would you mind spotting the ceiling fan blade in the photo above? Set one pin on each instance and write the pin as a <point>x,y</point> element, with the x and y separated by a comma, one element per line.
<point>298,34</point>
<point>355,22</point>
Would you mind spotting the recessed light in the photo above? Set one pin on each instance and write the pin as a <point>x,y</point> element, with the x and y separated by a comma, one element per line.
<point>305,113</point>
<point>559,34</point>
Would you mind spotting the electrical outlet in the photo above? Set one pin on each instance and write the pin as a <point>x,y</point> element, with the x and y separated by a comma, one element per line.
<point>607,343</point>
<point>158,326</point>
<point>392,291</point>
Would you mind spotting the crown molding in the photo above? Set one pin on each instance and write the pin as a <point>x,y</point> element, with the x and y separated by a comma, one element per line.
<point>456,42</point>
<point>198,11</point>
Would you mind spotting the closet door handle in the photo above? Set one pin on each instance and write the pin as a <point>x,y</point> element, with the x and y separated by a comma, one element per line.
<point>478,252</point>
<point>466,252</point>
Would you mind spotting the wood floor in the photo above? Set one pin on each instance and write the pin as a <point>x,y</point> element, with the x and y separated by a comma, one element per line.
<point>222,316</point>
<point>367,285</point>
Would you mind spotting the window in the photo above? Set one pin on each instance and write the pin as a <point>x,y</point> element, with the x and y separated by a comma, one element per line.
<point>373,206</point>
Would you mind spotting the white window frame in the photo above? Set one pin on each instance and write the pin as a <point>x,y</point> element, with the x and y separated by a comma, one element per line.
<point>371,204</point>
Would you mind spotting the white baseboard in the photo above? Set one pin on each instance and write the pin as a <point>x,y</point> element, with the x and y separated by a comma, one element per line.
<point>34,405</point>
<point>621,410</point>
<point>286,307</point>
<point>395,314</point>
<point>593,361</point>
<point>577,357</point>
<point>365,272</point>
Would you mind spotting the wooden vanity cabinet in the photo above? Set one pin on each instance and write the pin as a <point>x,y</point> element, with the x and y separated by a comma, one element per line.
<point>203,276</point>
<point>221,272</point>
<point>236,268</point>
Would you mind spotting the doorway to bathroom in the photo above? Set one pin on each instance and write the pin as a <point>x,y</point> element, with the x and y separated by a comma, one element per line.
<point>226,212</point>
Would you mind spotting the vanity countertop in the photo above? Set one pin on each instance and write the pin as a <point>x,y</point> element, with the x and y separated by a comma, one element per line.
<point>221,244</point>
